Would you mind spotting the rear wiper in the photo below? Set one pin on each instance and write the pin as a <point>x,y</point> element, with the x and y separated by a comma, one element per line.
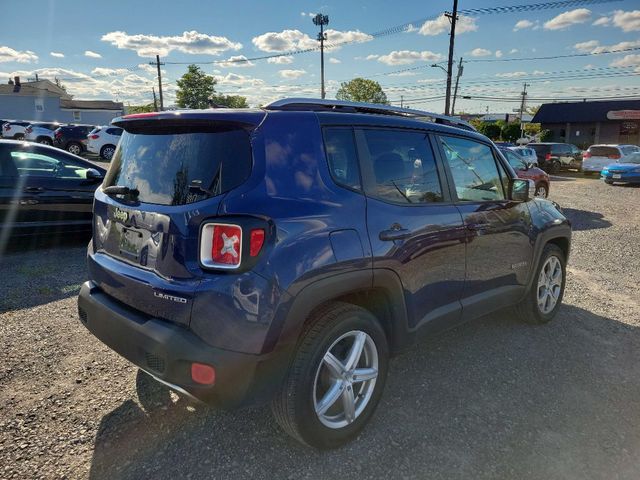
<point>121,190</point>
<point>197,185</point>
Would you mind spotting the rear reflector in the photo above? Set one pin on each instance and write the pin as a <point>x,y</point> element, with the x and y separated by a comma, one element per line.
<point>586,155</point>
<point>203,374</point>
<point>256,241</point>
<point>221,245</point>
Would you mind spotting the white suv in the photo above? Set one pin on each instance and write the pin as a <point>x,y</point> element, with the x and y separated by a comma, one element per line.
<point>599,156</point>
<point>41,132</point>
<point>103,141</point>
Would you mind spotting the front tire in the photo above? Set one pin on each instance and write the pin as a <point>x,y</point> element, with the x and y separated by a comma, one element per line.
<point>336,377</point>
<point>542,190</point>
<point>545,295</point>
<point>45,141</point>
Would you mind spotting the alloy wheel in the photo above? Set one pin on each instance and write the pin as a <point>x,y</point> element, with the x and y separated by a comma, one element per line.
<point>73,148</point>
<point>549,284</point>
<point>345,379</point>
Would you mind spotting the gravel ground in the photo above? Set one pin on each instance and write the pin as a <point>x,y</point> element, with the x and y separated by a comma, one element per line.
<point>491,399</point>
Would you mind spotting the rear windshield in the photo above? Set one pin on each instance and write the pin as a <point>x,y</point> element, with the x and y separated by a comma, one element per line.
<point>603,151</point>
<point>184,165</point>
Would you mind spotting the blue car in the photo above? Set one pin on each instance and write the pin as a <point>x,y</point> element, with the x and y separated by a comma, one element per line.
<point>627,172</point>
<point>284,254</point>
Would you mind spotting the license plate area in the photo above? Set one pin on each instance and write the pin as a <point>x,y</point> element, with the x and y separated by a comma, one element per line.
<point>130,243</point>
<point>617,176</point>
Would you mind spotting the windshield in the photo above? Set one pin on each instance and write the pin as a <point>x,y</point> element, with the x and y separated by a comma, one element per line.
<point>178,167</point>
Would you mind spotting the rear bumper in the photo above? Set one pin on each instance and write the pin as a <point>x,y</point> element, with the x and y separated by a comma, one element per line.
<point>166,351</point>
<point>624,177</point>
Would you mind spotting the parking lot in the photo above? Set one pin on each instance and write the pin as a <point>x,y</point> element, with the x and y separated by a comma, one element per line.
<point>492,399</point>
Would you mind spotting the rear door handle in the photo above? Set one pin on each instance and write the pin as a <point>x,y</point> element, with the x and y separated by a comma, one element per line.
<point>394,234</point>
<point>33,189</point>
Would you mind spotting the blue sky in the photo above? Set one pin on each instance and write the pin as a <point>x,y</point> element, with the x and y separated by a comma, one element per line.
<point>102,49</point>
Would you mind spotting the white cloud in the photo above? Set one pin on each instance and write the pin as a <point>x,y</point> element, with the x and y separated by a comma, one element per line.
<point>371,57</point>
<point>90,54</point>
<point>602,21</point>
<point>336,36</point>
<point>56,54</point>
<point>586,46</point>
<point>480,52</point>
<point>403,74</point>
<point>566,19</point>
<point>240,80</point>
<point>236,61</point>
<point>291,74</point>
<point>191,42</point>
<point>499,53</point>
<point>513,50</point>
<point>627,61</point>
<point>8,54</point>
<point>539,72</point>
<point>589,66</point>
<point>522,24</point>
<point>627,21</point>
<point>511,74</point>
<point>442,25</point>
<point>405,57</point>
<point>284,60</point>
<point>334,60</point>
<point>283,41</point>
<point>102,72</point>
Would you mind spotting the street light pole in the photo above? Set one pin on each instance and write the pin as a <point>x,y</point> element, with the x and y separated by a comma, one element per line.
<point>321,20</point>
<point>453,17</point>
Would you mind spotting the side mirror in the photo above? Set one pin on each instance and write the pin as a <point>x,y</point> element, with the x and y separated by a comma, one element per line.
<point>93,174</point>
<point>521,190</point>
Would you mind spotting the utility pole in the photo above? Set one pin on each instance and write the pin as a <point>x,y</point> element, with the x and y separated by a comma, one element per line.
<point>453,18</point>
<point>321,20</point>
<point>155,102</point>
<point>455,90</point>
<point>401,101</point>
<point>157,64</point>
<point>522,102</point>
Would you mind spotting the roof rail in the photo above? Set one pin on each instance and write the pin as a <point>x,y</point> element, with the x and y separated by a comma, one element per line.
<point>316,104</point>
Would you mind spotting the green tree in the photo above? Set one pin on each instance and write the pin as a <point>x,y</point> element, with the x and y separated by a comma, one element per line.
<point>489,129</point>
<point>231,101</point>
<point>362,90</point>
<point>195,88</point>
<point>546,135</point>
<point>510,132</point>
<point>140,108</point>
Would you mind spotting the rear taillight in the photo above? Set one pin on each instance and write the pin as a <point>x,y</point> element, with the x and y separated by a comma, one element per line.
<point>586,155</point>
<point>7,127</point>
<point>58,133</point>
<point>547,157</point>
<point>94,137</point>
<point>28,130</point>
<point>255,241</point>
<point>221,245</point>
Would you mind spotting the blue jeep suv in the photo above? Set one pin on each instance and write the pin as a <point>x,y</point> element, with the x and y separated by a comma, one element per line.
<point>283,254</point>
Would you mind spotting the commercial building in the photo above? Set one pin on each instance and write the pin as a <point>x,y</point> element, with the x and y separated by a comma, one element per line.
<point>588,123</point>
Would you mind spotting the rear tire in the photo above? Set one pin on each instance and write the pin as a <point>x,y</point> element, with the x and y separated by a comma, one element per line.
<point>45,141</point>
<point>322,403</point>
<point>554,167</point>
<point>74,148</point>
<point>19,136</point>
<point>106,152</point>
<point>550,278</point>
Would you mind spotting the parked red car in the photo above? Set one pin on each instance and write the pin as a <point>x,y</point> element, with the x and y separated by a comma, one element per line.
<point>530,172</point>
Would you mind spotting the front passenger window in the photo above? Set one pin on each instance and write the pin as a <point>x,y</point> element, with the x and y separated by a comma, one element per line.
<point>474,170</point>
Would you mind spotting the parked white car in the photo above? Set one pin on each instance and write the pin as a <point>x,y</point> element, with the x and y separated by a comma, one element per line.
<point>103,141</point>
<point>41,132</point>
<point>599,156</point>
<point>14,130</point>
<point>529,154</point>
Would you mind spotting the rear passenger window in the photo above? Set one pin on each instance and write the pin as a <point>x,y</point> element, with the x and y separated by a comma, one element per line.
<point>403,167</point>
<point>474,170</point>
<point>342,157</point>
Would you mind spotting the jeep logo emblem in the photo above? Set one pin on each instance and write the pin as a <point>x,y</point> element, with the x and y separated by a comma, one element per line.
<point>121,215</point>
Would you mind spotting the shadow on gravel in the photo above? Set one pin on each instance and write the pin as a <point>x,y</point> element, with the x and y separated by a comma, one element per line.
<point>585,220</point>
<point>39,270</point>
<point>491,399</point>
